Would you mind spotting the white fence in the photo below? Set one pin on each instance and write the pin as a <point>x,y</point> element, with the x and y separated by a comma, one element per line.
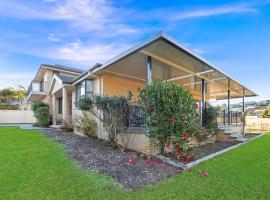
<point>255,123</point>
<point>16,117</point>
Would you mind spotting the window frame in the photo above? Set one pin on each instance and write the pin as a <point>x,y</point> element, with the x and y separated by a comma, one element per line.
<point>91,92</point>
<point>86,92</point>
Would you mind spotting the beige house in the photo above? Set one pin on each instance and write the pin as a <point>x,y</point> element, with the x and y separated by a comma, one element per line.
<point>158,58</point>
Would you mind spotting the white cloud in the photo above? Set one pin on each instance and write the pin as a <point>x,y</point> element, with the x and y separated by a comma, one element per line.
<point>89,15</point>
<point>53,38</point>
<point>92,53</point>
<point>14,79</point>
<point>213,11</point>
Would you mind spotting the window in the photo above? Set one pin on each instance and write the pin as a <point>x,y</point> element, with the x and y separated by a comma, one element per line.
<point>78,92</point>
<point>84,88</point>
<point>88,88</point>
<point>60,105</point>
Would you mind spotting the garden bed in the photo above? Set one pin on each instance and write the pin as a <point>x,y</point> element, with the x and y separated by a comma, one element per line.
<point>202,153</point>
<point>129,168</point>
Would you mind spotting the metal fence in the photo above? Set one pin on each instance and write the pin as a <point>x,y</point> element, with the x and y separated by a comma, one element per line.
<point>229,117</point>
<point>138,118</point>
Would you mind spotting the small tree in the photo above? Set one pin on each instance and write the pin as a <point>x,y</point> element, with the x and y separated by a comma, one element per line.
<point>170,113</point>
<point>268,109</point>
<point>113,111</point>
<point>7,95</point>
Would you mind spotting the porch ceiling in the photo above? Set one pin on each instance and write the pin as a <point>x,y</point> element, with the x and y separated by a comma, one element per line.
<point>174,63</point>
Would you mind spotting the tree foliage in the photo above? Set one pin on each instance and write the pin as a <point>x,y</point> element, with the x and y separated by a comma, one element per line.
<point>7,95</point>
<point>170,113</point>
<point>265,113</point>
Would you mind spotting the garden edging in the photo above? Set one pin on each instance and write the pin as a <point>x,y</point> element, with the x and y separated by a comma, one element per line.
<point>196,162</point>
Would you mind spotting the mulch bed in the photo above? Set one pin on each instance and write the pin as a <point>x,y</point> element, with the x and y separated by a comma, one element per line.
<point>126,167</point>
<point>207,149</point>
<point>203,150</point>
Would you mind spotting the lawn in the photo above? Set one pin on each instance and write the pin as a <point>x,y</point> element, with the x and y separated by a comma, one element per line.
<point>34,167</point>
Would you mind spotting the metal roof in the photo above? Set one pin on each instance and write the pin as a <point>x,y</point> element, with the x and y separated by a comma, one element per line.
<point>173,43</point>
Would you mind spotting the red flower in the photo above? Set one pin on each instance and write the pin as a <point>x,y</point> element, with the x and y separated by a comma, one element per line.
<point>178,148</point>
<point>149,163</point>
<point>205,174</point>
<point>131,161</point>
<point>159,161</point>
<point>166,165</point>
<point>179,170</point>
<point>151,110</point>
<point>185,137</point>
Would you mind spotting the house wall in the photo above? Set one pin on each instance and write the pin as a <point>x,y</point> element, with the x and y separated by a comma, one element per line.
<point>114,85</point>
<point>48,76</point>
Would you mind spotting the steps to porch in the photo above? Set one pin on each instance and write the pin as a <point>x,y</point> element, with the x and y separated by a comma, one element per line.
<point>234,132</point>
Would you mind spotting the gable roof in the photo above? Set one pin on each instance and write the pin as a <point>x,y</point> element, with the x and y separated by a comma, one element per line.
<point>62,67</point>
<point>83,75</point>
<point>172,42</point>
<point>65,79</point>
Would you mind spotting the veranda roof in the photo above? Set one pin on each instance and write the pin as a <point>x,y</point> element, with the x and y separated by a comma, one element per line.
<point>174,62</point>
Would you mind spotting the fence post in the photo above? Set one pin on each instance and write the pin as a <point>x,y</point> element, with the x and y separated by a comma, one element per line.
<point>224,117</point>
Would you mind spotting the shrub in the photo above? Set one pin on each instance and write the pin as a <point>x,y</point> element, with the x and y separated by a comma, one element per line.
<point>113,111</point>
<point>170,113</point>
<point>42,113</point>
<point>85,125</point>
<point>43,116</point>
<point>38,104</point>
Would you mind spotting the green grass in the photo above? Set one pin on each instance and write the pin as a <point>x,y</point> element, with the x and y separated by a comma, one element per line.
<point>34,167</point>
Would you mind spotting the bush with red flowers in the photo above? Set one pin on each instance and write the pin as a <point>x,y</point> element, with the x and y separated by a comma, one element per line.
<point>170,113</point>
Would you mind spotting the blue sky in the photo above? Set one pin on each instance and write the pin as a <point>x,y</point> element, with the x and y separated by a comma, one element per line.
<point>234,35</point>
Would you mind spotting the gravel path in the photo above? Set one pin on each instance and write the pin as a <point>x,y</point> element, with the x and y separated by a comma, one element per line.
<point>95,155</point>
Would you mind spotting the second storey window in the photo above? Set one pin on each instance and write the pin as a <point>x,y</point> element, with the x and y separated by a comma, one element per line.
<point>84,88</point>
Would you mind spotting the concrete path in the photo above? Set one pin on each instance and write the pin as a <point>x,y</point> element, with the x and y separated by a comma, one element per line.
<point>24,126</point>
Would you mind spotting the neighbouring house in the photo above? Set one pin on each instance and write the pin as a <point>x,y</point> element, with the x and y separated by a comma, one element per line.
<point>158,58</point>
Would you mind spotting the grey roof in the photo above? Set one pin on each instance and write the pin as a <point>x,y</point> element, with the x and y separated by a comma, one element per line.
<point>61,67</point>
<point>65,79</point>
<point>97,65</point>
